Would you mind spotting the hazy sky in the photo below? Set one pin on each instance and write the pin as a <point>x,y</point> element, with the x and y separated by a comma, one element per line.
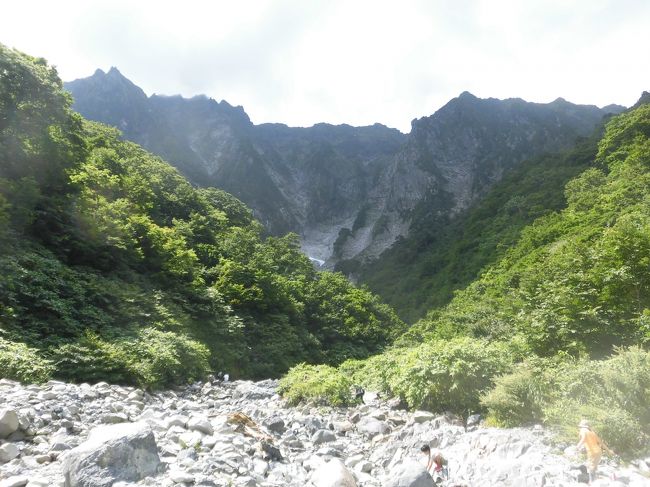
<point>347,61</point>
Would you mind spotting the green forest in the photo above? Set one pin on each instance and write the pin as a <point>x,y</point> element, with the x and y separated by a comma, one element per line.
<point>113,267</point>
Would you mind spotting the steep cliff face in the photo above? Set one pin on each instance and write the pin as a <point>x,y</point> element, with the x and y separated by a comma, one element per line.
<point>454,156</point>
<point>311,181</point>
<point>349,192</point>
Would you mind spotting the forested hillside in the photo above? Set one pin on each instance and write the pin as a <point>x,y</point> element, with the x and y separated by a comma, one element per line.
<point>555,330</point>
<point>113,267</point>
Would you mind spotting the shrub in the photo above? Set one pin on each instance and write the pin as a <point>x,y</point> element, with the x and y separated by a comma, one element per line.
<point>520,397</point>
<point>22,363</point>
<point>161,358</point>
<point>92,359</point>
<point>151,358</point>
<point>320,383</point>
<point>614,394</point>
<point>617,427</point>
<point>443,375</point>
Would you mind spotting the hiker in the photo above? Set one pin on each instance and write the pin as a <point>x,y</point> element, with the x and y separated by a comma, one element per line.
<point>594,446</point>
<point>358,393</point>
<point>436,464</point>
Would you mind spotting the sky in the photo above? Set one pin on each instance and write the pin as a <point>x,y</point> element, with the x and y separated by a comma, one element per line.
<point>359,62</point>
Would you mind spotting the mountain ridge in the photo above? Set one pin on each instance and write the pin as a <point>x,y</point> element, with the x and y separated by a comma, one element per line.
<point>349,192</point>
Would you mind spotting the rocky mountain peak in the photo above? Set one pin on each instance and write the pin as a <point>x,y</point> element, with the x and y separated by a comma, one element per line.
<point>645,98</point>
<point>348,191</point>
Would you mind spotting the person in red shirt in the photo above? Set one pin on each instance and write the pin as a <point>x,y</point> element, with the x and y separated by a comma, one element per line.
<point>436,463</point>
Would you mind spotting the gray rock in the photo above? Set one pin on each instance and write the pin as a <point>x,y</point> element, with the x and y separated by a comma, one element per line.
<point>364,466</point>
<point>270,452</point>
<point>246,482</point>
<point>473,420</point>
<point>409,474</point>
<point>372,427</point>
<point>251,391</point>
<point>181,477</point>
<point>123,452</point>
<point>187,453</point>
<point>114,418</point>
<point>370,397</point>
<point>423,416</point>
<point>47,395</point>
<point>333,474</point>
<point>201,425</point>
<point>8,422</point>
<point>322,436</point>
<point>59,446</point>
<point>275,424</point>
<point>15,481</point>
<point>8,452</point>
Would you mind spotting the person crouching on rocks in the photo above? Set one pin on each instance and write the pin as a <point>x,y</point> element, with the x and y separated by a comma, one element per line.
<point>594,446</point>
<point>436,464</point>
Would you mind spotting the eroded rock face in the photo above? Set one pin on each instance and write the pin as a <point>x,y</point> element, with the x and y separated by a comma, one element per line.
<point>242,434</point>
<point>123,452</point>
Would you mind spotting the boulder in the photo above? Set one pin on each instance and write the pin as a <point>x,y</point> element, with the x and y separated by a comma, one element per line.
<point>473,420</point>
<point>8,452</point>
<point>121,452</point>
<point>372,427</point>
<point>409,474</point>
<point>8,422</point>
<point>275,424</point>
<point>322,436</point>
<point>423,416</point>
<point>181,477</point>
<point>333,474</point>
<point>201,425</point>
<point>270,452</point>
<point>250,391</point>
<point>15,481</point>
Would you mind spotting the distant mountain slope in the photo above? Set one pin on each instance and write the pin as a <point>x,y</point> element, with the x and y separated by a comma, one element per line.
<point>349,192</point>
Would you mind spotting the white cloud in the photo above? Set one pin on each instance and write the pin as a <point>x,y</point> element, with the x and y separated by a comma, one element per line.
<point>356,62</point>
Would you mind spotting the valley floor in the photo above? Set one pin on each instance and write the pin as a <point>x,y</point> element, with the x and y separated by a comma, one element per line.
<point>233,434</point>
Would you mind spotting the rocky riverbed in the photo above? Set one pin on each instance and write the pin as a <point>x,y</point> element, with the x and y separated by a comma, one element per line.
<point>242,434</point>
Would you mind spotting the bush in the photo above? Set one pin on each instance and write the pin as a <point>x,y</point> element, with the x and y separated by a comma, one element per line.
<point>151,358</point>
<point>320,383</point>
<point>161,358</point>
<point>443,375</point>
<point>622,432</point>
<point>519,398</point>
<point>22,363</point>
<point>92,359</point>
<point>613,394</point>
